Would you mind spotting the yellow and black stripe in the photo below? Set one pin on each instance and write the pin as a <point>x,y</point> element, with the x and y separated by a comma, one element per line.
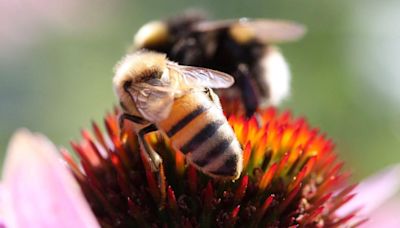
<point>186,120</point>
<point>198,128</point>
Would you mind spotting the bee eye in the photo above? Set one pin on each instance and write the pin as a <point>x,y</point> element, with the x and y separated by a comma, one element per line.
<point>154,78</point>
<point>127,85</point>
<point>154,81</point>
<point>157,75</point>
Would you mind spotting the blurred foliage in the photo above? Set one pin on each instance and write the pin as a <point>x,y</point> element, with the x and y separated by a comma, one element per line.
<point>62,81</point>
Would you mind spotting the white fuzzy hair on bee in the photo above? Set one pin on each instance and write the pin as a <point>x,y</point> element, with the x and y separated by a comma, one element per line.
<point>277,75</point>
<point>134,64</point>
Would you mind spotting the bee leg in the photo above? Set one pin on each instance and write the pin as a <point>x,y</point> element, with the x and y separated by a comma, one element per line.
<point>133,118</point>
<point>247,88</point>
<point>149,153</point>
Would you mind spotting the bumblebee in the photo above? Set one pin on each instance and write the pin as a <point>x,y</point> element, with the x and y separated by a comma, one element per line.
<point>159,95</point>
<point>243,48</point>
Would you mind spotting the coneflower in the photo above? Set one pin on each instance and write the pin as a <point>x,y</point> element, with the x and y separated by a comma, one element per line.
<point>291,178</point>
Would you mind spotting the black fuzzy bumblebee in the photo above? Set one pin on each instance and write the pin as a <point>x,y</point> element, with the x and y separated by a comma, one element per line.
<point>242,48</point>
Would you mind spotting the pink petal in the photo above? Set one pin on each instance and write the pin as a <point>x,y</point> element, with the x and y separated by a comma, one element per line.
<point>373,192</point>
<point>387,216</point>
<point>38,190</point>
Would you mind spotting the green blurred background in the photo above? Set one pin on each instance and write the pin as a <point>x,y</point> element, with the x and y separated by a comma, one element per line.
<point>56,62</point>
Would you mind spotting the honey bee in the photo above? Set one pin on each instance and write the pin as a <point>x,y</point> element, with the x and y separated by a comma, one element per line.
<point>158,94</point>
<point>243,48</point>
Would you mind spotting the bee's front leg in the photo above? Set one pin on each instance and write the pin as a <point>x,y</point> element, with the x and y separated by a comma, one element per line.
<point>133,118</point>
<point>152,156</point>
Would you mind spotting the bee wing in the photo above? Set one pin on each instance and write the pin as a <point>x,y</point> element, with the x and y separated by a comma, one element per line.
<point>209,26</point>
<point>193,77</point>
<point>263,30</point>
<point>153,102</point>
<point>272,31</point>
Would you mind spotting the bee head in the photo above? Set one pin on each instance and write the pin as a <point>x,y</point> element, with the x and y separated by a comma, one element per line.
<point>139,67</point>
<point>152,34</point>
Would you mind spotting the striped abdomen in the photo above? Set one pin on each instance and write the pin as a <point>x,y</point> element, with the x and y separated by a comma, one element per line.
<point>198,128</point>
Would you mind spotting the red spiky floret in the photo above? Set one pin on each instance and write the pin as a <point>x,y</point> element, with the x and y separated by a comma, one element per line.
<point>290,178</point>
